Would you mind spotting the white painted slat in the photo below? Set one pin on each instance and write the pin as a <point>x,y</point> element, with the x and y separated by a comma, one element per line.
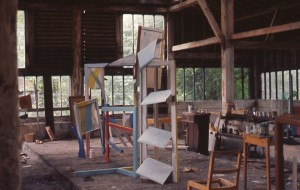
<point>155,170</point>
<point>157,97</point>
<point>155,137</point>
<point>125,61</point>
<point>147,54</point>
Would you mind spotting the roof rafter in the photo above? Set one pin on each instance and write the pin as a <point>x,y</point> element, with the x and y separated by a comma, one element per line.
<point>182,5</point>
<point>195,44</point>
<point>268,30</point>
<point>211,20</point>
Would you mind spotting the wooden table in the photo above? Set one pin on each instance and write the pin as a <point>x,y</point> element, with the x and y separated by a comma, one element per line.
<point>280,121</point>
<point>262,141</point>
<point>161,120</point>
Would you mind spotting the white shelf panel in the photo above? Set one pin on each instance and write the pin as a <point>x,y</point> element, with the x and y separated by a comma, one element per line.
<point>157,97</point>
<point>147,54</point>
<point>155,170</point>
<point>155,137</point>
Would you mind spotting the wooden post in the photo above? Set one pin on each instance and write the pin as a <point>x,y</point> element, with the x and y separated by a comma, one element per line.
<point>175,163</point>
<point>48,102</point>
<point>170,37</point>
<point>9,138</point>
<point>144,113</point>
<point>76,81</point>
<point>227,54</point>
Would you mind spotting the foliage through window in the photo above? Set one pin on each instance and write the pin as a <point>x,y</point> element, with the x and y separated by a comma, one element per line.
<point>119,90</point>
<point>131,22</point>
<point>60,94</point>
<point>195,84</point>
<point>21,39</point>
<point>277,84</point>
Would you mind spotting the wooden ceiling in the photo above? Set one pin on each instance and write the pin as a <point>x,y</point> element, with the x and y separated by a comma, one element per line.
<point>259,25</point>
<point>249,14</point>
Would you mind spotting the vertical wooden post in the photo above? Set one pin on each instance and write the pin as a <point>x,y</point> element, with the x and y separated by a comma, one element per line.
<point>76,82</point>
<point>144,113</point>
<point>172,76</point>
<point>227,54</point>
<point>254,79</point>
<point>48,102</point>
<point>170,37</point>
<point>9,138</point>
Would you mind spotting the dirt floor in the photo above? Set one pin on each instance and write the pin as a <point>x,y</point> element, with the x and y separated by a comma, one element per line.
<point>51,166</point>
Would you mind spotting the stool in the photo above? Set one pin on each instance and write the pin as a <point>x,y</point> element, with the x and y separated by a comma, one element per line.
<point>263,141</point>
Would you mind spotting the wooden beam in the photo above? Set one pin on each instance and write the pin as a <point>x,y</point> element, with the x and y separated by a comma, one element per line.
<point>211,20</point>
<point>268,30</point>
<point>265,45</point>
<point>257,13</point>
<point>183,5</point>
<point>195,44</point>
<point>196,55</point>
<point>128,8</point>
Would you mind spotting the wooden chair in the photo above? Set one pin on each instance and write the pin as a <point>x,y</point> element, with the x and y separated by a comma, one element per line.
<point>219,183</point>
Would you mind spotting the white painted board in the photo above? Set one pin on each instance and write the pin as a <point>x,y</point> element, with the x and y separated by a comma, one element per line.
<point>125,61</point>
<point>157,97</point>
<point>147,54</point>
<point>155,170</point>
<point>155,137</point>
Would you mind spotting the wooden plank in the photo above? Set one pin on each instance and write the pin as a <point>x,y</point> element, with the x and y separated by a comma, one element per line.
<point>50,133</point>
<point>155,137</point>
<point>211,20</point>
<point>267,30</point>
<point>195,44</point>
<point>155,170</point>
<point>182,5</point>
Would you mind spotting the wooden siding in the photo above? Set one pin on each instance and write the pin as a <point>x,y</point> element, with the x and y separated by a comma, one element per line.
<point>52,40</point>
<point>99,34</point>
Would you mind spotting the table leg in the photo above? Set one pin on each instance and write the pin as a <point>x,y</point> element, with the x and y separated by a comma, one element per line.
<point>245,164</point>
<point>268,165</point>
<point>279,159</point>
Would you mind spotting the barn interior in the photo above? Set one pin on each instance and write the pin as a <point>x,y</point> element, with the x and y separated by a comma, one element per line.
<point>231,67</point>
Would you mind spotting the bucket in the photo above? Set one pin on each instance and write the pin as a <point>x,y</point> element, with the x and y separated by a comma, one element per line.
<point>92,153</point>
<point>191,108</point>
<point>29,137</point>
